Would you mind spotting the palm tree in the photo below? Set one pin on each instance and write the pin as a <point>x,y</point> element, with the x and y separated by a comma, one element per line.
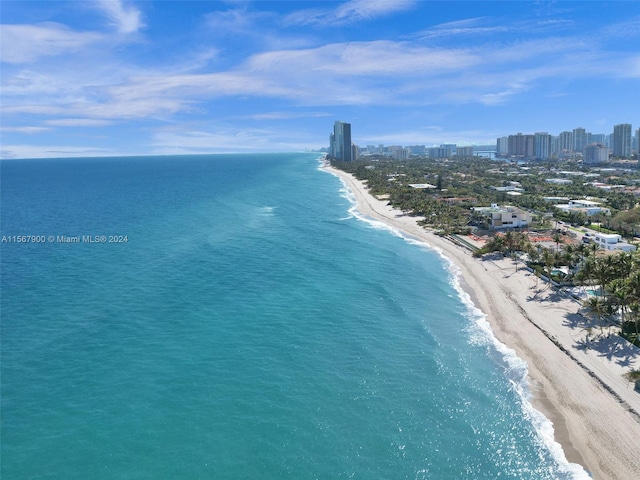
<point>558,239</point>
<point>534,253</point>
<point>515,257</point>
<point>619,296</point>
<point>549,262</point>
<point>596,307</point>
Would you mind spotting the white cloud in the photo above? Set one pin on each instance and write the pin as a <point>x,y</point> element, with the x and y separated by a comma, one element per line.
<point>228,139</point>
<point>430,135</point>
<point>53,151</point>
<point>288,115</point>
<point>348,12</point>
<point>239,20</point>
<point>28,130</point>
<point>126,19</point>
<point>356,73</point>
<point>27,43</point>
<point>77,122</point>
<point>367,9</point>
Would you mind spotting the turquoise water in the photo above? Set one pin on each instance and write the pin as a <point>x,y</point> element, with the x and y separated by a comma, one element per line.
<point>250,326</point>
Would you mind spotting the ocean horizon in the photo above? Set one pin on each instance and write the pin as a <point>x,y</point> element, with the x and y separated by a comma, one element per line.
<point>234,316</point>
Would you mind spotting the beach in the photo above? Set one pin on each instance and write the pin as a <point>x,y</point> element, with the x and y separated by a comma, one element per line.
<point>575,373</point>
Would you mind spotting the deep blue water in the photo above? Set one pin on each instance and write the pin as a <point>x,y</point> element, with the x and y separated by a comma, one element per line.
<point>249,327</point>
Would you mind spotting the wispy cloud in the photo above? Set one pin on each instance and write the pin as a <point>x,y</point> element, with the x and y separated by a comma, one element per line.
<point>248,68</point>
<point>430,135</point>
<point>125,18</point>
<point>236,20</point>
<point>53,151</point>
<point>470,26</point>
<point>224,139</point>
<point>77,122</point>
<point>288,115</point>
<point>27,43</point>
<point>348,12</point>
<point>354,73</point>
<point>490,26</point>
<point>26,129</point>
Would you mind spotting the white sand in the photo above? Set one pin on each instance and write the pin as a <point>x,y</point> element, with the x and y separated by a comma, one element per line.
<point>577,384</point>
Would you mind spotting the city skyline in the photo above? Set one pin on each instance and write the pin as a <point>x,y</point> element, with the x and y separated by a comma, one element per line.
<point>575,140</point>
<point>116,77</point>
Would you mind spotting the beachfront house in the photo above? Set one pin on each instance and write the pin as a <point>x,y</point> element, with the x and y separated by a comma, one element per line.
<point>612,241</point>
<point>504,217</point>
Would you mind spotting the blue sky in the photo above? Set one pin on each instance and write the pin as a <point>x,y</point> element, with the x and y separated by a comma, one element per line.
<point>120,77</point>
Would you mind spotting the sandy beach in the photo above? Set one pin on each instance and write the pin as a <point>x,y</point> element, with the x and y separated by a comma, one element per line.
<point>575,373</point>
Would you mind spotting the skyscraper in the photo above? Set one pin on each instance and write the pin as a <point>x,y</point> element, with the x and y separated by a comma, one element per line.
<point>542,145</point>
<point>622,140</point>
<point>580,139</point>
<point>565,141</point>
<point>638,142</point>
<point>502,145</point>
<point>340,147</point>
<point>521,145</point>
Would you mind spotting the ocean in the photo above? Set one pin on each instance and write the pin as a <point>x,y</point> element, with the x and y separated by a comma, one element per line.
<point>234,317</point>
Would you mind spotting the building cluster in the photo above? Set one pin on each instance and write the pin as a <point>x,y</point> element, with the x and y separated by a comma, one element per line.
<point>592,147</point>
<point>342,148</point>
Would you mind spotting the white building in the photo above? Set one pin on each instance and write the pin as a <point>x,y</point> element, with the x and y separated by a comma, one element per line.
<point>505,216</point>
<point>559,181</point>
<point>588,207</point>
<point>612,241</point>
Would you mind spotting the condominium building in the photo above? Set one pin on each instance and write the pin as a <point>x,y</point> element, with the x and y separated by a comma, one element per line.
<point>438,152</point>
<point>340,142</point>
<point>596,153</point>
<point>580,139</point>
<point>521,145</point>
<point>622,140</point>
<point>565,142</point>
<point>464,152</point>
<point>542,145</point>
<point>502,145</point>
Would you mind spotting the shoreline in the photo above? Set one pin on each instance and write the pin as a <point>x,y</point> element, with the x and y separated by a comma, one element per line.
<point>575,382</point>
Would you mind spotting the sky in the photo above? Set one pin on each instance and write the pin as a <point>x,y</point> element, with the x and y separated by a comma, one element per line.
<point>127,77</point>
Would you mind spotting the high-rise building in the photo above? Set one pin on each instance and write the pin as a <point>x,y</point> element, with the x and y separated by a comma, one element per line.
<point>638,142</point>
<point>451,148</point>
<point>502,145</point>
<point>596,153</point>
<point>622,140</point>
<point>542,145</point>
<point>565,142</point>
<point>580,139</point>
<point>464,151</point>
<point>398,152</point>
<point>417,149</point>
<point>598,138</point>
<point>438,152</point>
<point>521,145</point>
<point>340,147</point>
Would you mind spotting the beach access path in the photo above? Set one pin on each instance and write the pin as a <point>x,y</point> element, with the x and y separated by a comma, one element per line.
<point>575,373</point>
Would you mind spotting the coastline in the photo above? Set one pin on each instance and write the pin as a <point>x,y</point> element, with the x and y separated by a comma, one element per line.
<point>575,382</point>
